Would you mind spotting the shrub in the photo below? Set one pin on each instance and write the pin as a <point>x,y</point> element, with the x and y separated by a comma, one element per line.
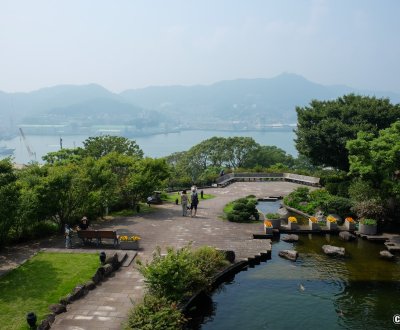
<point>209,261</point>
<point>338,205</point>
<point>243,210</point>
<point>371,208</point>
<point>174,275</point>
<point>155,313</point>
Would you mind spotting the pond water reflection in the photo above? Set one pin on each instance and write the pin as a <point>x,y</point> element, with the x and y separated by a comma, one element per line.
<point>360,291</point>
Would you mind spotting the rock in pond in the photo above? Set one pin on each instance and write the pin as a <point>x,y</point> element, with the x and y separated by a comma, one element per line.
<point>290,238</point>
<point>347,236</point>
<point>386,255</point>
<point>331,250</point>
<point>289,254</point>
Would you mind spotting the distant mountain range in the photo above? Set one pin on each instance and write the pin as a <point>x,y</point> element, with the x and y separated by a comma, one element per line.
<point>234,104</point>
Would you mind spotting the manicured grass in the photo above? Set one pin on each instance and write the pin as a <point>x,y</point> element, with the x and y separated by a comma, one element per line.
<point>40,282</point>
<point>170,197</point>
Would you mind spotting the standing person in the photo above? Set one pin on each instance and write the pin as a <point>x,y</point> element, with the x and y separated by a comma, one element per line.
<point>194,201</point>
<point>184,202</point>
<point>67,235</point>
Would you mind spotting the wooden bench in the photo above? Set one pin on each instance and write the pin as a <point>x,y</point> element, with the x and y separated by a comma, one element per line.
<point>98,235</point>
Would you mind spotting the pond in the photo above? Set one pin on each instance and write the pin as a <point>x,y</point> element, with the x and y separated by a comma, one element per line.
<point>360,291</point>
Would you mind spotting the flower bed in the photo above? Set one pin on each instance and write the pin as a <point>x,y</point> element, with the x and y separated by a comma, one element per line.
<point>350,224</point>
<point>129,242</point>
<point>268,227</point>
<point>313,223</point>
<point>292,223</point>
<point>331,222</point>
<point>368,227</point>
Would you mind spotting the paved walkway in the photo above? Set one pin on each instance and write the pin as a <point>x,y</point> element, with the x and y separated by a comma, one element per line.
<point>107,306</point>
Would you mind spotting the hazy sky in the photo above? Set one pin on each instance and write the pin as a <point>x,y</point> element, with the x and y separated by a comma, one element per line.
<point>124,44</point>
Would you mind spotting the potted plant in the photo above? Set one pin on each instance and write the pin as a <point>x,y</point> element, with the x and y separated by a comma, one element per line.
<point>292,223</point>
<point>268,227</point>
<point>275,219</point>
<point>331,222</point>
<point>129,242</point>
<point>313,223</point>
<point>367,226</point>
<point>349,224</point>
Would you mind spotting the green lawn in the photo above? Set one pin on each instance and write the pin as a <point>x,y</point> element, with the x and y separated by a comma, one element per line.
<point>39,282</point>
<point>170,197</point>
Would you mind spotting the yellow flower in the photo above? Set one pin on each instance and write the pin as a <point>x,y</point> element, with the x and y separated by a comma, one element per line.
<point>292,219</point>
<point>331,219</point>
<point>126,238</point>
<point>313,219</point>
<point>267,223</point>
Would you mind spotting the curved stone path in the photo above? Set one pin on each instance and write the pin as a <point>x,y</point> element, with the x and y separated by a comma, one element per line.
<point>108,305</point>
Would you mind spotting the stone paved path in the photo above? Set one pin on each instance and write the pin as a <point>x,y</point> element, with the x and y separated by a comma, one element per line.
<point>107,306</point>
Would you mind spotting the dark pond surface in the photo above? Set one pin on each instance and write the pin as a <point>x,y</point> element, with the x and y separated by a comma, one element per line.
<point>360,291</point>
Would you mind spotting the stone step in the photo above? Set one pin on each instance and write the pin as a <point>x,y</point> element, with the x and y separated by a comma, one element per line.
<point>129,258</point>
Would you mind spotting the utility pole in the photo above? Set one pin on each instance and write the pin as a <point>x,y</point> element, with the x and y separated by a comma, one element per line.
<point>61,142</point>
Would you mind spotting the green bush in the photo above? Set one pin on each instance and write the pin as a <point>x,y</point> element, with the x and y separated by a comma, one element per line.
<point>339,205</point>
<point>243,210</point>
<point>309,202</point>
<point>155,313</point>
<point>174,275</point>
<point>273,216</point>
<point>209,261</point>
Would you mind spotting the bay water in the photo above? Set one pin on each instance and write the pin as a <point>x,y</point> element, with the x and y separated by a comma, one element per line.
<point>154,146</point>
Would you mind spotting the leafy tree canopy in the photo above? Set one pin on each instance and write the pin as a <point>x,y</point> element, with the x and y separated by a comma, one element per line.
<point>324,127</point>
<point>100,146</point>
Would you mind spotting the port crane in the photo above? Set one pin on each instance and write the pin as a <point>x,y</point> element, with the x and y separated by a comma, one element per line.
<point>31,153</point>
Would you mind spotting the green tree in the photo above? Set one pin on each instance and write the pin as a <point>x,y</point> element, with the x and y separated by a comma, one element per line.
<point>324,127</point>
<point>63,193</point>
<point>238,149</point>
<point>376,162</point>
<point>9,195</point>
<point>64,156</point>
<point>266,156</point>
<point>100,146</point>
<point>146,176</point>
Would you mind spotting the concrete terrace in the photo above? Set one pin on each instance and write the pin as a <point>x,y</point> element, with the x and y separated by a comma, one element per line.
<point>107,306</point>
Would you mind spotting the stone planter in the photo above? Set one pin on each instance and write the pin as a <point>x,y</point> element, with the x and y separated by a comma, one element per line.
<point>331,225</point>
<point>367,229</point>
<point>350,226</point>
<point>293,225</point>
<point>268,230</point>
<point>276,223</point>
<point>313,225</point>
<point>129,245</point>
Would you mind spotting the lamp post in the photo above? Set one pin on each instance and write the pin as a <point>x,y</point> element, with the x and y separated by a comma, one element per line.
<point>31,319</point>
<point>102,257</point>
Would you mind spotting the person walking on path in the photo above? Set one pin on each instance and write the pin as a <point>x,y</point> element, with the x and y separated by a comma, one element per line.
<point>184,202</point>
<point>194,201</point>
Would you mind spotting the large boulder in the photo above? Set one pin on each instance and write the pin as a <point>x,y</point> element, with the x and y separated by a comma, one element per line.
<point>347,236</point>
<point>289,254</point>
<point>290,238</point>
<point>331,250</point>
